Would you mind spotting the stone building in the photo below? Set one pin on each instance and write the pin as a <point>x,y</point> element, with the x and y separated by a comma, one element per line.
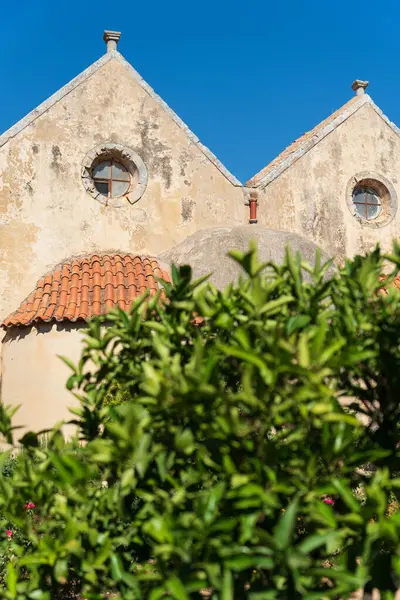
<point>103,186</point>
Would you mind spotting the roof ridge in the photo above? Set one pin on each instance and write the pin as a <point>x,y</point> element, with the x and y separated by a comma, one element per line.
<point>82,256</point>
<point>206,151</point>
<point>388,122</point>
<point>54,98</point>
<point>307,141</point>
<point>83,76</point>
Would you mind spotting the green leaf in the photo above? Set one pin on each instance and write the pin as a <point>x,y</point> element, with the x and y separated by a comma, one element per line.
<point>29,440</point>
<point>342,418</point>
<point>286,524</point>
<point>346,495</point>
<point>250,490</point>
<point>11,580</point>
<point>316,541</point>
<point>39,595</point>
<point>116,567</point>
<point>327,354</point>
<point>251,358</point>
<point>68,362</point>
<point>212,498</point>
<point>238,480</point>
<point>227,585</point>
<point>176,588</point>
<point>242,563</point>
<point>297,322</point>
<point>273,306</point>
<point>324,514</point>
<point>247,260</point>
<point>158,529</point>
<point>184,441</point>
<point>303,350</point>
<point>295,271</point>
<point>157,593</point>
<point>61,570</point>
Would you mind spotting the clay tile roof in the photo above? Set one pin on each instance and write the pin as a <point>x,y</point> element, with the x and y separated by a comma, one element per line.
<point>300,142</point>
<point>394,284</point>
<point>87,286</point>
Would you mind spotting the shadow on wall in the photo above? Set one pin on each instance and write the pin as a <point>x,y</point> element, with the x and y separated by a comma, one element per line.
<point>21,332</point>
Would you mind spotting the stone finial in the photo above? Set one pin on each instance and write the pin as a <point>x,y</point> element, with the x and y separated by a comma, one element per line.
<point>359,87</point>
<point>111,38</point>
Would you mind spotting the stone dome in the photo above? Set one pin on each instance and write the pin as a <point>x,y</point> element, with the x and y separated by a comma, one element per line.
<point>206,250</point>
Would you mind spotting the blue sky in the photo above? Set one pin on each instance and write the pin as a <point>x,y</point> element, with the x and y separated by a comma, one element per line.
<point>247,77</point>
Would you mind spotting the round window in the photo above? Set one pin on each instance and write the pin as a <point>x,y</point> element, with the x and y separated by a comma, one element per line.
<point>371,199</point>
<point>367,202</point>
<point>114,175</point>
<point>111,179</point>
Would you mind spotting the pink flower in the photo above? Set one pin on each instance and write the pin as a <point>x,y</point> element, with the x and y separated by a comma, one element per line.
<point>29,506</point>
<point>9,533</point>
<point>329,501</point>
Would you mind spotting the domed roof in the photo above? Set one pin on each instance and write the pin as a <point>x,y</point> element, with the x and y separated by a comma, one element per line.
<point>91,285</point>
<point>206,250</point>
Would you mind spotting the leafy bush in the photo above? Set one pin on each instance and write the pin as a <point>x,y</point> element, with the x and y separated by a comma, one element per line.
<point>9,465</point>
<point>116,395</point>
<point>235,464</point>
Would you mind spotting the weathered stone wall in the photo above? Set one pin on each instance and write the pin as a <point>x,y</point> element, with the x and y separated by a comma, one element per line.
<point>47,215</point>
<point>311,196</point>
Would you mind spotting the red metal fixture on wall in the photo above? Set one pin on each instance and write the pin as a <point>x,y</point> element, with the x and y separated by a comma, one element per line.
<point>253,208</point>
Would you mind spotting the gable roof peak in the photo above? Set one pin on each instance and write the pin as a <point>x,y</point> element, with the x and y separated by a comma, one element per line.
<point>111,38</point>
<point>309,139</point>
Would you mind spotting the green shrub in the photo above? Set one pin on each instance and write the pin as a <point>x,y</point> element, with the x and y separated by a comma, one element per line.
<point>115,395</point>
<point>9,465</point>
<point>234,467</point>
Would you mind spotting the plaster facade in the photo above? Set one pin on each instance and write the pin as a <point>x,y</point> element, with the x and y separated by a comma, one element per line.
<point>311,197</point>
<point>46,214</point>
<point>43,400</point>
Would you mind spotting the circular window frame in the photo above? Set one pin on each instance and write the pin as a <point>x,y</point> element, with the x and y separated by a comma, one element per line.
<point>383,188</point>
<point>360,201</point>
<point>129,159</point>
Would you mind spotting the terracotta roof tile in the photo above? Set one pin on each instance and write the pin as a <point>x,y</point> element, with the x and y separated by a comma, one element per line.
<point>395,283</point>
<point>297,144</point>
<point>88,286</point>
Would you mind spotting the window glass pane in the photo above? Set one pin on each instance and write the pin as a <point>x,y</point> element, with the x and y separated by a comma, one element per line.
<point>120,172</point>
<point>373,211</point>
<point>102,187</point>
<point>367,202</point>
<point>102,170</point>
<point>361,210</point>
<point>358,195</point>
<point>119,188</point>
<point>372,198</point>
